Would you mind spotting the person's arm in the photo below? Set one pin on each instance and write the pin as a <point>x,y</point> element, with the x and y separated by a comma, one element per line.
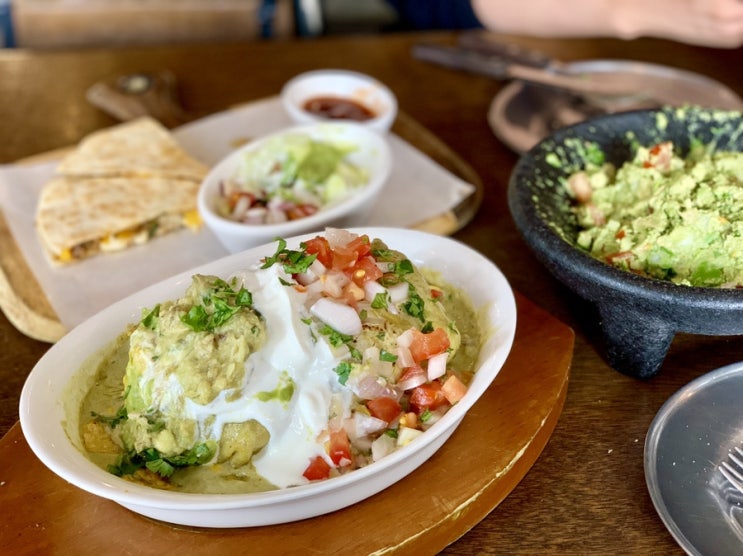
<point>705,22</point>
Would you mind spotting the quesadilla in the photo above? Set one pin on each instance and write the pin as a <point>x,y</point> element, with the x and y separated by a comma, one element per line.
<point>121,187</point>
<point>142,147</point>
<point>80,217</point>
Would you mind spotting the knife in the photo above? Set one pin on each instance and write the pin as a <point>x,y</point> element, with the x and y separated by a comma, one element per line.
<point>502,68</point>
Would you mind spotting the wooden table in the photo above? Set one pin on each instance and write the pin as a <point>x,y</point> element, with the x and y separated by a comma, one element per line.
<point>586,493</point>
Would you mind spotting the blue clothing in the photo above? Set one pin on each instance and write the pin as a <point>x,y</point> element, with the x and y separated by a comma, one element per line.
<point>436,14</point>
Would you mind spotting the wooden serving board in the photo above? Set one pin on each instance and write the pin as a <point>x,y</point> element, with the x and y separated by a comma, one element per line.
<point>491,451</point>
<point>25,304</point>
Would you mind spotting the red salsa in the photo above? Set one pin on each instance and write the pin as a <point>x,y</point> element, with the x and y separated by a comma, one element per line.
<point>336,108</point>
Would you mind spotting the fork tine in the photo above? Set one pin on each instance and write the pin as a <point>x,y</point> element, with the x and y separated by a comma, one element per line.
<point>732,475</point>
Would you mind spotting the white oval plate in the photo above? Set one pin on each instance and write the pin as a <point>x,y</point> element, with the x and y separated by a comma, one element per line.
<point>43,413</point>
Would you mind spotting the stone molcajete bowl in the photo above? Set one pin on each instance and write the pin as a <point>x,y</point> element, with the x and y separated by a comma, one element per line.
<point>639,316</point>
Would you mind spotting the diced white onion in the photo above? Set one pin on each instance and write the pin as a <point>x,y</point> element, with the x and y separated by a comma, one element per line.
<point>333,283</point>
<point>405,435</point>
<point>406,338</point>
<point>241,206</point>
<point>437,365</point>
<point>318,268</point>
<point>369,387</point>
<point>315,270</point>
<point>372,288</point>
<point>399,292</point>
<point>364,425</point>
<point>412,379</point>
<point>382,446</point>
<point>339,238</point>
<point>434,416</point>
<point>404,357</point>
<point>338,316</point>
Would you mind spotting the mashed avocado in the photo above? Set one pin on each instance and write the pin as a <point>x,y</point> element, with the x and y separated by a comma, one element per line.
<point>666,216</point>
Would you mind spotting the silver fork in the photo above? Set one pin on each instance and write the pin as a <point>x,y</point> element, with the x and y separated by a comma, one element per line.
<point>732,470</point>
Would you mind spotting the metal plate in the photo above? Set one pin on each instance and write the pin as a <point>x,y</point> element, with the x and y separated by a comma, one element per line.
<point>521,114</point>
<point>691,435</point>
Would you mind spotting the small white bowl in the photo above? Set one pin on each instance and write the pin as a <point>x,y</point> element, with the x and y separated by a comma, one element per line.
<point>344,84</point>
<point>373,155</point>
<point>50,401</point>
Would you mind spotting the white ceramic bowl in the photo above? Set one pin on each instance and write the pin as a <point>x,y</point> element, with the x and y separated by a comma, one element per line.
<point>48,405</point>
<point>351,85</point>
<point>373,155</point>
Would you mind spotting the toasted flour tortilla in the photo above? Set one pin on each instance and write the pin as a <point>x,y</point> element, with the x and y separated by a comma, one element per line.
<point>120,187</point>
<point>142,147</point>
<point>80,217</point>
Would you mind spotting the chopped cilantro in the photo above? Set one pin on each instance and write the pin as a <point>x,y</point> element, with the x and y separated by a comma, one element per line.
<point>343,370</point>
<point>244,298</point>
<point>403,267</point>
<point>385,355</point>
<point>163,466</point>
<point>335,338</point>
<point>383,255</point>
<point>414,306</point>
<point>379,301</point>
<point>427,328</point>
<point>223,301</point>
<point>294,262</point>
<point>197,318</point>
<point>150,319</point>
<point>113,421</point>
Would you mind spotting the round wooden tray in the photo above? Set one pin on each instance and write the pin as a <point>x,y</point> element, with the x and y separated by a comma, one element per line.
<point>496,444</point>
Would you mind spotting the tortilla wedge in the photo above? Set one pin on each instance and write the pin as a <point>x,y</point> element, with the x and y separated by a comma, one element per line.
<point>141,147</point>
<point>120,187</point>
<point>80,217</point>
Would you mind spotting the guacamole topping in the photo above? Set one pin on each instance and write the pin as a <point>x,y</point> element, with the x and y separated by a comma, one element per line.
<point>311,364</point>
<point>666,216</point>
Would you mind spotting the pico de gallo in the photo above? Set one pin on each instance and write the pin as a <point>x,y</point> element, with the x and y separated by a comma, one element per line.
<point>399,342</point>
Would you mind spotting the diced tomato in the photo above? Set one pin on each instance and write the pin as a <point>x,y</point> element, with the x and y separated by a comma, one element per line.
<point>235,196</point>
<point>659,156</point>
<point>424,346</point>
<point>412,377</point>
<point>301,211</point>
<point>454,389</point>
<point>364,270</point>
<point>339,447</point>
<point>619,256</point>
<point>384,408</point>
<point>317,469</point>
<point>320,246</point>
<point>436,293</point>
<point>427,396</point>
<point>344,258</point>
<point>360,245</point>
